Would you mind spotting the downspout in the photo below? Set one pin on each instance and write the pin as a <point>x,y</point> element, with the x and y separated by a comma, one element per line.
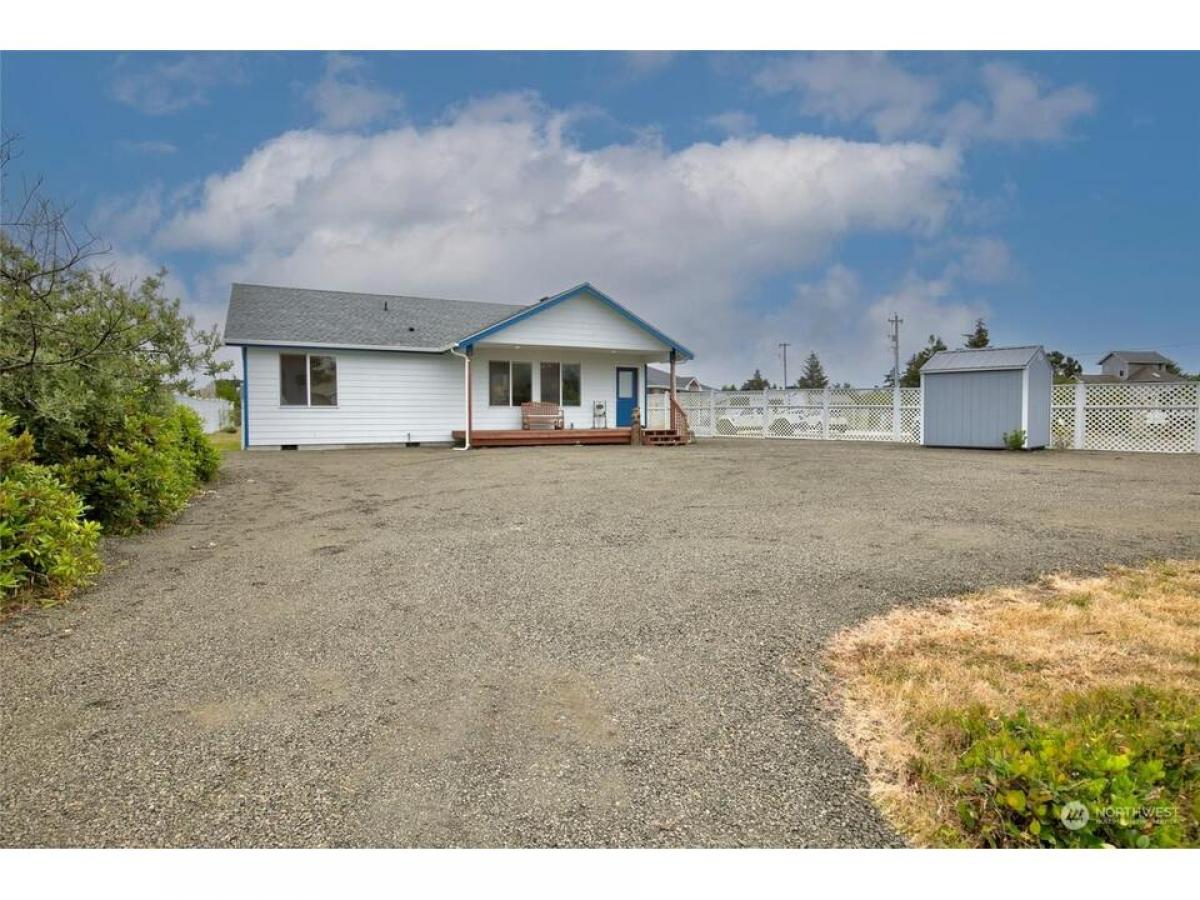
<point>245,401</point>
<point>466,358</point>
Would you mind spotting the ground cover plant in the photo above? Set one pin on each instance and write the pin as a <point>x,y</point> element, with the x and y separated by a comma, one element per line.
<point>1061,714</point>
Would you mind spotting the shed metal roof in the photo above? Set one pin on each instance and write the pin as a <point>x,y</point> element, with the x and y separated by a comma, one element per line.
<point>981,359</point>
<point>283,316</point>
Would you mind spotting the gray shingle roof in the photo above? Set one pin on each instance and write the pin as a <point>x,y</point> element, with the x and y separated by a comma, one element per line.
<point>260,314</point>
<point>658,378</point>
<point>984,358</point>
<point>1138,357</point>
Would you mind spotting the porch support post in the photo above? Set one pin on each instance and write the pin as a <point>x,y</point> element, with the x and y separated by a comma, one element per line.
<point>674,399</point>
<point>467,368</point>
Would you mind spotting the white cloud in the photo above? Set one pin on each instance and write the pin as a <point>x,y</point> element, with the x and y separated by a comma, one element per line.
<point>1017,109</point>
<point>733,122</point>
<point>985,259</point>
<point>849,87</point>
<point>496,202</point>
<point>344,98</point>
<point>168,86</point>
<point>128,218</point>
<point>895,102</point>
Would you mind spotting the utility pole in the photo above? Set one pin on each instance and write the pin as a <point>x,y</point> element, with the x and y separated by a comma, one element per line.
<point>785,345</point>
<point>895,321</point>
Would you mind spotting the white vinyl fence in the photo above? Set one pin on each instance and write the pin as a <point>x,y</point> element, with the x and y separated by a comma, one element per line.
<point>844,414</point>
<point>216,413</point>
<point>1163,418</point>
<point>1159,418</point>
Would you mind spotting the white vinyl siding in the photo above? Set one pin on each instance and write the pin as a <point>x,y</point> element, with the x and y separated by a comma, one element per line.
<point>581,321</point>
<point>383,397</point>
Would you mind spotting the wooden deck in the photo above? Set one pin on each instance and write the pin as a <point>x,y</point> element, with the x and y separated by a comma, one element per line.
<point>544,437</point>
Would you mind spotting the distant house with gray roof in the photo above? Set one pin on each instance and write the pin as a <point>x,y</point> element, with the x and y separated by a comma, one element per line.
<point>658,381</point>
<point>1134,367</point>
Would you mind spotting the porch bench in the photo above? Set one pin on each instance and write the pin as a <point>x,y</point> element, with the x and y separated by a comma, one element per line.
<point>534,415</point>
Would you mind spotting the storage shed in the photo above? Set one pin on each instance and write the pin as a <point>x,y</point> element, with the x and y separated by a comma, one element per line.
<point>971,398</point>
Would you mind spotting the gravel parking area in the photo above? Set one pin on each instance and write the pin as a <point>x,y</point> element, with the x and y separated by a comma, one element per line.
<point>598,646</point>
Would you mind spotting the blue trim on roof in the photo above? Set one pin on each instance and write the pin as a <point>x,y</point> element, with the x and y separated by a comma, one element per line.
<point>471,339</point>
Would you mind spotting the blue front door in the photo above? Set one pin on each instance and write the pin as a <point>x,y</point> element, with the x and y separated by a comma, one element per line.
<point>627,396</point>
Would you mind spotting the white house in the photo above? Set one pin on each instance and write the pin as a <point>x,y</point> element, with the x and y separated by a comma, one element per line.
<point>327,368</point>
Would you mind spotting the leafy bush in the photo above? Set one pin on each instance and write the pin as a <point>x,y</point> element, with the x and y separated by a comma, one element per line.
<point>1131,757</point>
<point>45,544</point>
<point>147,473</point>
<point>205,458</point>
<point>1015,440</point>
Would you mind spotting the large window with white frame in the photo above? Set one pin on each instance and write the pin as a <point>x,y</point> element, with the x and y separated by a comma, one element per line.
<point>560,383</point>
<point>307,379</point>
<point>509,383</point>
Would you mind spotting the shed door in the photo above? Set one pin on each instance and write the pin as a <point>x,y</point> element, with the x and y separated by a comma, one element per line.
<point>971,409</point>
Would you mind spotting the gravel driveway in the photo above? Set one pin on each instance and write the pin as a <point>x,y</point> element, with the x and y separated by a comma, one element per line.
<point>560,646</point>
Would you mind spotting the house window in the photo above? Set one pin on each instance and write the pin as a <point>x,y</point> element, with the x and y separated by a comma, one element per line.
<point>293,379</point>
<point>307,380</point>
<point>551,389</point>
<point>322,381</point>
<point>498,383</point>
<point>571,384</point>
<point>522,383</point>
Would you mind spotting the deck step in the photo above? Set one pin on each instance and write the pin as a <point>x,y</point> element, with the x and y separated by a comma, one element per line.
<point>660,438</point>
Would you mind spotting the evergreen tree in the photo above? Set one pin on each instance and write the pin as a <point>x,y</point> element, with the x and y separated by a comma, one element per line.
<point>756,383</point>
<point>1066,368</point>
<point>814,374</point>
<point>979,337</point>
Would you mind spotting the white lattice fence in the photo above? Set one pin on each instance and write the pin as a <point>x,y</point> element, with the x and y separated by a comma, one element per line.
<point>1128,417</point>
<point>1160,418</point>
<point>856,414</point>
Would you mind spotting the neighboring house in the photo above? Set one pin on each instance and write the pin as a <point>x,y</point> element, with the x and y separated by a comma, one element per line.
<point>327,368</point>
<point>1132,366</point>
<point>659,382</point>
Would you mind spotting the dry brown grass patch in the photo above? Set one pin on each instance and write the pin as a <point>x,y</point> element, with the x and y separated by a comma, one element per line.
<point>901,674</point>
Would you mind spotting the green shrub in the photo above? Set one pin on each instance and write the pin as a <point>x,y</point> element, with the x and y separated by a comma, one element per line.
<point>205,458</point>
<point>1131,757</point>
<point>1015,440</point>
<point>147,473</point>
<point>46,547</point>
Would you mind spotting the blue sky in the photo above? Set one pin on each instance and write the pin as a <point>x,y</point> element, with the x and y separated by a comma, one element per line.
<point>738,200</point>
